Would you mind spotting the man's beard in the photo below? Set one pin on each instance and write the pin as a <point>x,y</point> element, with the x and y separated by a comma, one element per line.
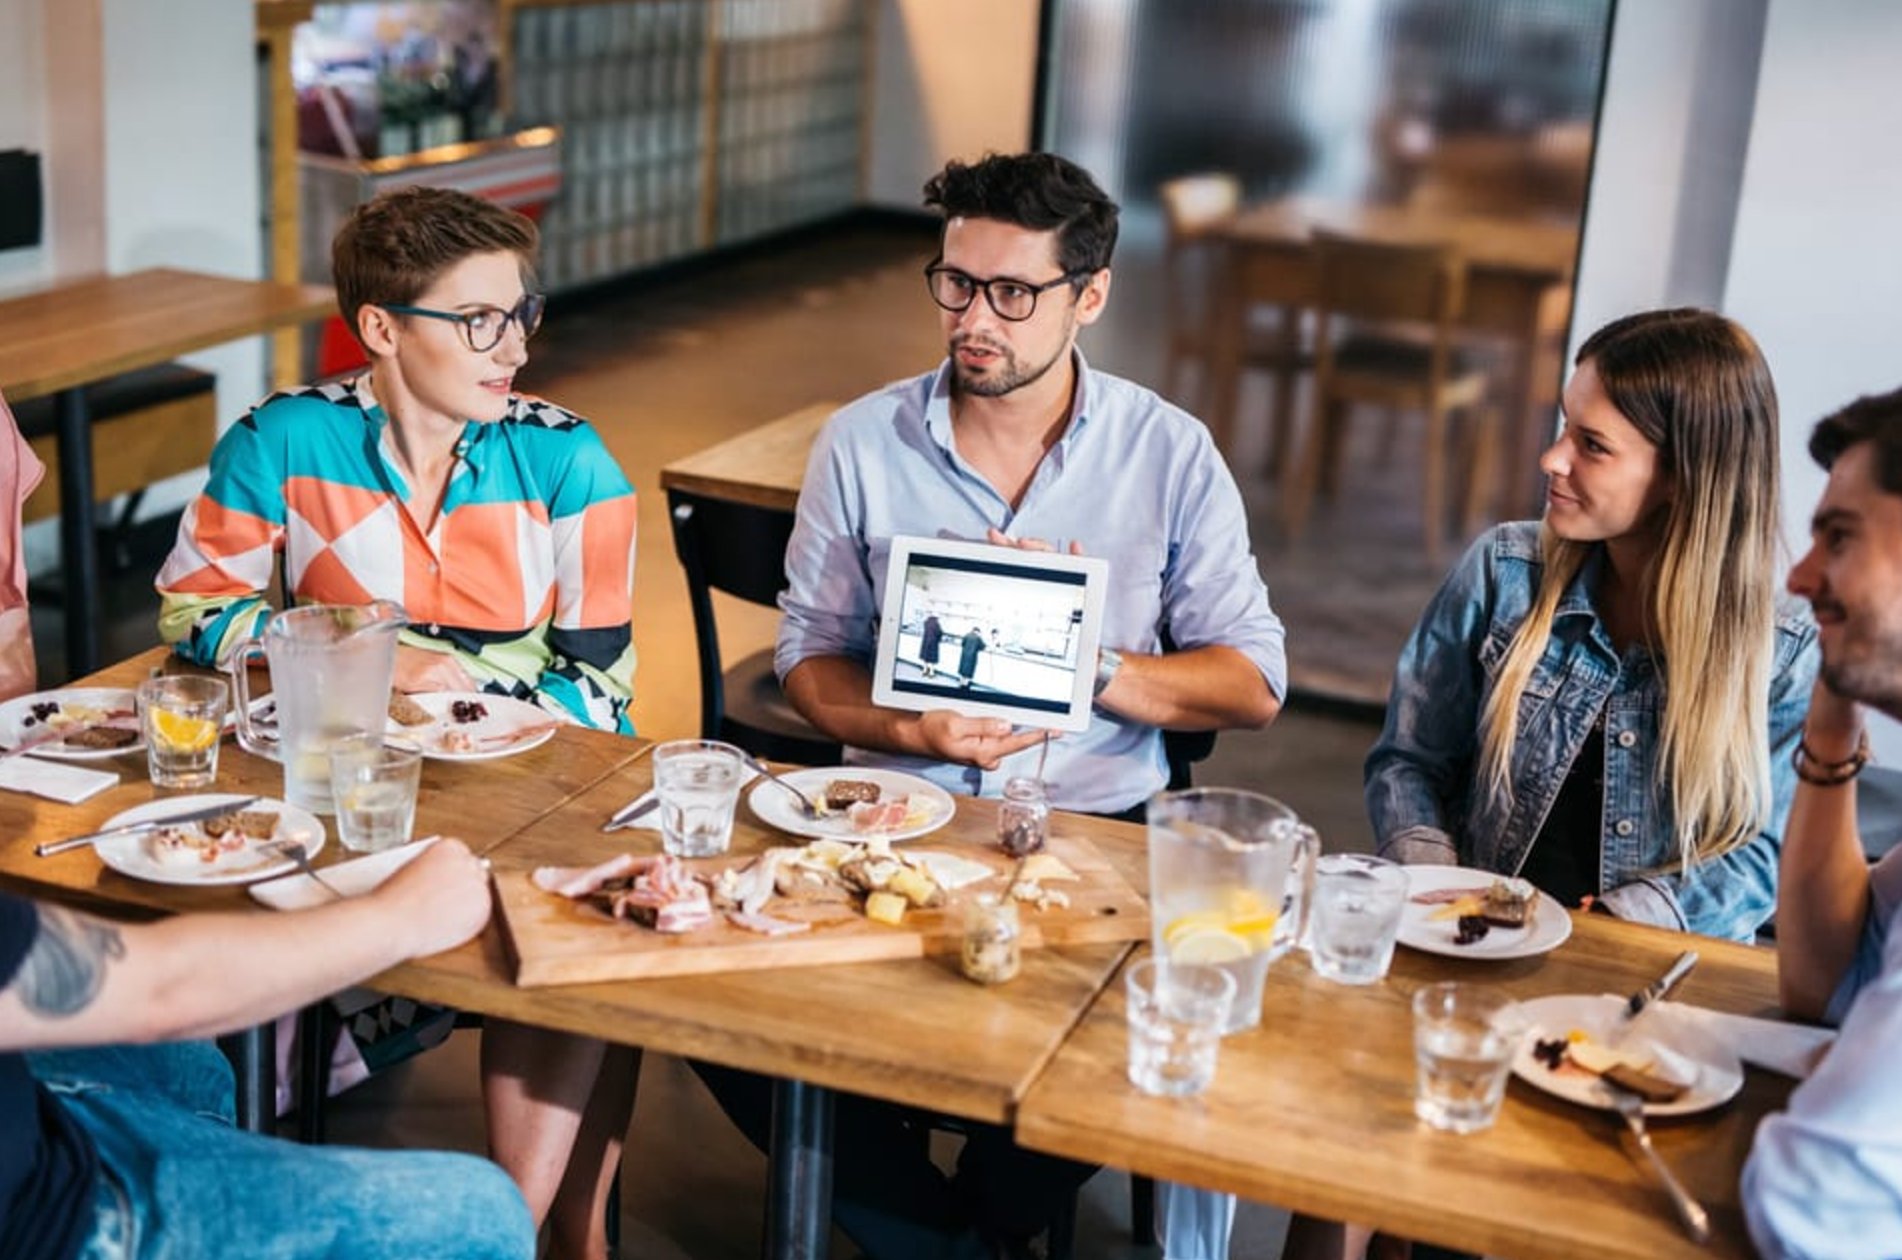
<point>1008,376</point>
<point>1868,669</point>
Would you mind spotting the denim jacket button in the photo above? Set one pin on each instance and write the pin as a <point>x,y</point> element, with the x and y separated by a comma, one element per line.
<point>1627,738</point>
<point>1624,827</point>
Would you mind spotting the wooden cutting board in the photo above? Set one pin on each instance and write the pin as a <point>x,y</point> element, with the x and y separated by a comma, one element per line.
<point>554,940</point>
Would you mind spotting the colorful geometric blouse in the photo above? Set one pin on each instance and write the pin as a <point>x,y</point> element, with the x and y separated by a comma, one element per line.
<point>526,577</point>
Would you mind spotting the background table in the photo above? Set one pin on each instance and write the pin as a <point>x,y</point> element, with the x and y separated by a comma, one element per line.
<point>1314,1111</point>
<point>764,467</point>
<point>60,339</point>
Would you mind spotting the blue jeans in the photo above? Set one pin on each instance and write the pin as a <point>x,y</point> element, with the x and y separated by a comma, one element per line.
<point>180,1180</point>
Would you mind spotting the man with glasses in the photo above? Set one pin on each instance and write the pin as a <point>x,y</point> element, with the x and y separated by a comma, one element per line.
<point>1015,439</point>
<point>499,522</point>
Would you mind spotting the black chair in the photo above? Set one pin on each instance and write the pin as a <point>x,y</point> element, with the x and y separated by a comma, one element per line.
<point>740,548</point>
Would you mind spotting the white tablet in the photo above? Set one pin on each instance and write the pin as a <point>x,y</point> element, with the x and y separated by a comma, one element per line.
<point>990,631</point>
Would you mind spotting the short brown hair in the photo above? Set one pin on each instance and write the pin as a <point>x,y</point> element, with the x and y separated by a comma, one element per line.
<point>392,248</point>
<point>1873,418</point>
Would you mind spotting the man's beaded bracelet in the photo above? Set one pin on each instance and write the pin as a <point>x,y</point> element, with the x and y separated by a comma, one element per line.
<point>1830,773</point>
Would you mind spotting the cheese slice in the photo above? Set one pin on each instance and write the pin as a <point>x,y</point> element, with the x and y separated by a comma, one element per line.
<point>1042,868</point>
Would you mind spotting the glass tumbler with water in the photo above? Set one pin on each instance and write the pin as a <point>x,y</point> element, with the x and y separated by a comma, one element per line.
<point>1464,1036</point>
<point>698,781</point>
<point>373,781</point>
<point>1176,1014</point>
<point>330,677</point>
<point>1229,873</point>
<point>1356,912</point>
<point>182,717</point>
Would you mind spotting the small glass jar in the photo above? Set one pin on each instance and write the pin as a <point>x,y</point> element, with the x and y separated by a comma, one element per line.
<point>1023,819</point>
<point>991,951</point>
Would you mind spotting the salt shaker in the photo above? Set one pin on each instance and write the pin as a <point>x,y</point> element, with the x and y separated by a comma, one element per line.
<point>991,952</point>
<point>1023,819</point>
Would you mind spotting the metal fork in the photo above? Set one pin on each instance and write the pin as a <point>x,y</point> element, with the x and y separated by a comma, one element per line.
<point>1695,1219</point>
<point>295,851</point>
<point>806,804</point>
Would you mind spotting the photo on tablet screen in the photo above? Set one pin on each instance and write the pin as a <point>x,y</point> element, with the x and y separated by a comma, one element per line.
<point>987,629</point>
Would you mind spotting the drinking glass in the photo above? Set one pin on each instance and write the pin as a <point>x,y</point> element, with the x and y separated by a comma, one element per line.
<point>1357,905</point>
<point>1463,1041</point>
<point>183,720</point>
<point>698,781</point>
<point>1228,877</point>
<point>1176,1018</point>
<point>373,781</point>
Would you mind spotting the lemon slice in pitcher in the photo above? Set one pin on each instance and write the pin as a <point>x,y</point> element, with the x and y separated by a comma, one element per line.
<point>1208,945</point>
<point>179,733</point>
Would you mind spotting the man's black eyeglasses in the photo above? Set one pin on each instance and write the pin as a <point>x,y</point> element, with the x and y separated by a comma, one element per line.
<point>1015,300</point>
<point>484,327</point>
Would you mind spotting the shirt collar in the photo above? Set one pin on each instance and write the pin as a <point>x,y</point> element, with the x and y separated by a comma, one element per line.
<point>468,446</point>
<point>938,403</point>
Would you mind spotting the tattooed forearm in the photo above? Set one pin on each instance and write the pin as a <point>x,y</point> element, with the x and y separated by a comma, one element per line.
<point>66,967</point>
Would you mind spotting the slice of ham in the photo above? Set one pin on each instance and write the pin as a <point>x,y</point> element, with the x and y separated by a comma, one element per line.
<point>685,914</point>
<point>766,924</point>
<point>872,817</point>
<point>579,881</point>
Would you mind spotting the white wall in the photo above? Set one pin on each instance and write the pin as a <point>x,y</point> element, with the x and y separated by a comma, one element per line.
<point>950,78</point>
<point>1815,271</point>
<point>22,119</point>
<point>1680,84</point>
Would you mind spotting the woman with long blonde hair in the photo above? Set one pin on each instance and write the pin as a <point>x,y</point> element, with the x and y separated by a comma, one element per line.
<point>1605,703</point>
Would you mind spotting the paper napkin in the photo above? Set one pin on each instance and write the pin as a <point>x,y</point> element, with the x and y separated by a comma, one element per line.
<point>1792,1049</point>
<point>55,780</point>
<point>352,878</point>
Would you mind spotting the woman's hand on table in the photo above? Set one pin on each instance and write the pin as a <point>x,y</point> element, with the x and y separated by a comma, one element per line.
<point>418,669</point>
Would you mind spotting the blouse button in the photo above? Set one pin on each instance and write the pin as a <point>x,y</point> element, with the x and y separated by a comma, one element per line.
<point>1627,738</point>
<point>1624,827</point>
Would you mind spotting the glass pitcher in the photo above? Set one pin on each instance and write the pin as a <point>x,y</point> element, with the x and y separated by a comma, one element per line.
<point>1230,878</point>
<point>331,667</point>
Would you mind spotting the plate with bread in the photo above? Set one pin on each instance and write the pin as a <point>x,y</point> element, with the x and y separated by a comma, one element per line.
<point>73,723</point>
<point>231,848</point>
<point>1575,1043</point>
<point>1465,913</point>
<point>856,802</point>
<point>469,725</point>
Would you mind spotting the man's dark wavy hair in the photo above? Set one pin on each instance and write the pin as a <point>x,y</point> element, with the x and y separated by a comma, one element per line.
<point>1872,418</point>
<point>1038,191</point>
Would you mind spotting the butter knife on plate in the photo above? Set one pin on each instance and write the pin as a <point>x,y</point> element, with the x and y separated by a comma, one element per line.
<point>148,824</point>
<point>1641,1001</point>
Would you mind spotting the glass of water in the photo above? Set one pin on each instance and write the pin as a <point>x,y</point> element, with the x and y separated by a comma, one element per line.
<point>1176,1016</point>
<point>182,717</point>
<point>1356,912</point>
<point>698,781</point>
<point>373,781</point>
<point>1464,1036</point>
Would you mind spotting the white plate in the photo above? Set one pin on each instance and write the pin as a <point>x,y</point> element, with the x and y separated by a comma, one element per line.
<point>1549,928</point>
<point>776,807</point>
<point>131,855</point>
<point>506,715</point>
<point>15,712</point>
<point>1715,1072</point>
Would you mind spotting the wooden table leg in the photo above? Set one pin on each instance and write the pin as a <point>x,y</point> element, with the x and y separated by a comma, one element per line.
<point>799,1176</point>
<point>1224,353</point>
<point>79,548</point>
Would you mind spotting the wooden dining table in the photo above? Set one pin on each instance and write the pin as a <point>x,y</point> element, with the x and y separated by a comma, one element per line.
<point>763,467</point>
<point>1313,1110</point>
<point>59,339</point>
<point>1518,275</point>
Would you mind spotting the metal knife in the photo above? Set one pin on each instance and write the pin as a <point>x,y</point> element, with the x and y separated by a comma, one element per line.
<point>148,824</point>
<point>1639,1002</point>
<point>627,814</point>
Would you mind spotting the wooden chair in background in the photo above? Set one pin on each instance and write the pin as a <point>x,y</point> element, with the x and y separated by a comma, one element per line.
<point>1193,206</point>
<point>1400,351</point>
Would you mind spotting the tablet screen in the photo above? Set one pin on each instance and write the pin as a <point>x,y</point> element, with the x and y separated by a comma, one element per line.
<point>990,630</point>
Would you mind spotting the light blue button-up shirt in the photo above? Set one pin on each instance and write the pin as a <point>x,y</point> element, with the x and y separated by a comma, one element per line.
<point>1825,1177</point>
<point>1133,479</point>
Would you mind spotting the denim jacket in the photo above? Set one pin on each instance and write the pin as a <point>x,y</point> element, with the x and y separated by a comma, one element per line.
<point>1421,778</point>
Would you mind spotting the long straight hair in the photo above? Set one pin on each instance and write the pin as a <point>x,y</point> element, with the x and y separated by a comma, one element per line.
<point>1696,385</point>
